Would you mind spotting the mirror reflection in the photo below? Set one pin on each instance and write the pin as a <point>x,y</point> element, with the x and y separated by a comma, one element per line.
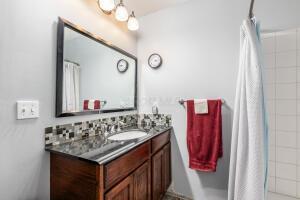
<point>95,76</point>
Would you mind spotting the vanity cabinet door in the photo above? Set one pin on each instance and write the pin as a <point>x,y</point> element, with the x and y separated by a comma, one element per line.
<point>167,167</point>
<point>161,172</point>
<point>157,175</point>
<point>122,191</point>
<point>121,167</point>
<point>142,181</point>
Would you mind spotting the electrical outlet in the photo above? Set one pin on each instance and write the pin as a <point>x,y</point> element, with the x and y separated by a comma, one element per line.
<point>27,109</point>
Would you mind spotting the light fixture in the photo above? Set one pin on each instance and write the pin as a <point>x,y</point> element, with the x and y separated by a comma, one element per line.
<point>133,23</point>
<point>106,5</point>
<point>121,12</point>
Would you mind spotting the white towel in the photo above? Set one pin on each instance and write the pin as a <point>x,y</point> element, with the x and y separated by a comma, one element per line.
<point>201,106</point>
<point>249,158</point>
<point>91,104</point>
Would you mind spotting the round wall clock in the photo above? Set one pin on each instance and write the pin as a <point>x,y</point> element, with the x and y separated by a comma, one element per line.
<point>122,65</point>
<point>155,60</point>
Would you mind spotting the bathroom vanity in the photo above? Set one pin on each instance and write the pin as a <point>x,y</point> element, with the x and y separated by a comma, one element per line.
<point>135,170</point>
<point>116,158</point>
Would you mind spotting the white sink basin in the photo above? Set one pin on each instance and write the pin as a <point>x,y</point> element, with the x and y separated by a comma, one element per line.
<point>129,135</point>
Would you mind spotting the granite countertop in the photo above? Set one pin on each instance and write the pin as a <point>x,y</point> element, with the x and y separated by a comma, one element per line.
<point>100,150</point>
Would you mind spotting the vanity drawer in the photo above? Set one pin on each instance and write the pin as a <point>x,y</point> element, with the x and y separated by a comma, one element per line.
<point>159,141</point>
<point>118,169</point>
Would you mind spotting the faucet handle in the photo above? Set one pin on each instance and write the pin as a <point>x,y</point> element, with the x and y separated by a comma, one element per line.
<point>112,128</point>
<point>104,129</point>
<point>120,124</point>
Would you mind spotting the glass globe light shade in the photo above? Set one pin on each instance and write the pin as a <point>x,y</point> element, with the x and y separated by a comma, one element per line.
<point>133,23</point>
<point>106,5</point>
<point>121,13</point>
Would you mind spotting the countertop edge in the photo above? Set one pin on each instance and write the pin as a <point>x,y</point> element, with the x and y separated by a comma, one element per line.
<point>114,156</point>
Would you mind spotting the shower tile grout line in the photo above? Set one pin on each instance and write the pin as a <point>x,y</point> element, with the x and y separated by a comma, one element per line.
<point>279,52</point>
<point>275,85</point>
<point>297,126</point>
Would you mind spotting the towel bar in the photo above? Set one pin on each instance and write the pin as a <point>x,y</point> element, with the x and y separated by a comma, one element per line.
<point>104,102</point>
<point>182,101</point>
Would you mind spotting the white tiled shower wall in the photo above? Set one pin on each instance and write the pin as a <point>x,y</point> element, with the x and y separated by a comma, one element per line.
<point>282,83</point>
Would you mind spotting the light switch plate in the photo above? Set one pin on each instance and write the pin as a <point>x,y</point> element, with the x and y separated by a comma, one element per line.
<point>27,109</point>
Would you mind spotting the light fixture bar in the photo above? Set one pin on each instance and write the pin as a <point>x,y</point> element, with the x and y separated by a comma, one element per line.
<point>120,11</point>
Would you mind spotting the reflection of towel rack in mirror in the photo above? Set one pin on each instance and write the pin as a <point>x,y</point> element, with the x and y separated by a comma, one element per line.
<point>103,103</point>
<point>182,101</point>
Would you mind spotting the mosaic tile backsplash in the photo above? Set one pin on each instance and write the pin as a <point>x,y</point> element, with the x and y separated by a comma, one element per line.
<point>81,130</point>
<point>150,120</point>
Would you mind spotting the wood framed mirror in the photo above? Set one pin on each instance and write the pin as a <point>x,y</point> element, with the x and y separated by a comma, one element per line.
<point>87,79</point>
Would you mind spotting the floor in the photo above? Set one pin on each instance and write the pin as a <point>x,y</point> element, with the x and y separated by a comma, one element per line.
<point>171,197</point>
<point>273,196</point>
<point>167,197</point>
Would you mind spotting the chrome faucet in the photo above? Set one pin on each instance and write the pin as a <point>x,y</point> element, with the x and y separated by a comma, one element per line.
<point>109,129</point>
<point>113,128</point>
<point>120,124</point>
<point>104,129</point>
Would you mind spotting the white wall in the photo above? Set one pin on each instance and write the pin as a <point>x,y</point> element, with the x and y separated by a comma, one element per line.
<point>27,71</point>
<point>99,77</point>
<point>199,42</point>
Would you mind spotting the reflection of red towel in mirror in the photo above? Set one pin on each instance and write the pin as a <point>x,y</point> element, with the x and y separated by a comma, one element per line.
<point>96,105</point>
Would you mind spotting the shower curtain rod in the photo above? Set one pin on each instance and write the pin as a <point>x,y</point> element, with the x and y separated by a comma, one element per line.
<point>66,60</point>
<point>251,9</point>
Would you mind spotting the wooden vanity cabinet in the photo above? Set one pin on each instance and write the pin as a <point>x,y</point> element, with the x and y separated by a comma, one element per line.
<point>134,187</point>
<point>167,167</point>
<point>157,175</point>
<point>143,173</point>
<point>121,167</point>
<point>142,182</point>
<point>161,172</point>
<point>123,191</point>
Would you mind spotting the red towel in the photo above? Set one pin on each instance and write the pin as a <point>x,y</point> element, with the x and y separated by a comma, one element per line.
<point>204,136</point>
<point>85,104</point>
<point>97,105</point>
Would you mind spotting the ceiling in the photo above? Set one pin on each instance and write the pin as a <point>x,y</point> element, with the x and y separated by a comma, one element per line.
<point>145,7</point>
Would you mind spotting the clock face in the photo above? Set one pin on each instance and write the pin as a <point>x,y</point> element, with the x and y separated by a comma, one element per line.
<point>122,65</point>
<point>155,61</point>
